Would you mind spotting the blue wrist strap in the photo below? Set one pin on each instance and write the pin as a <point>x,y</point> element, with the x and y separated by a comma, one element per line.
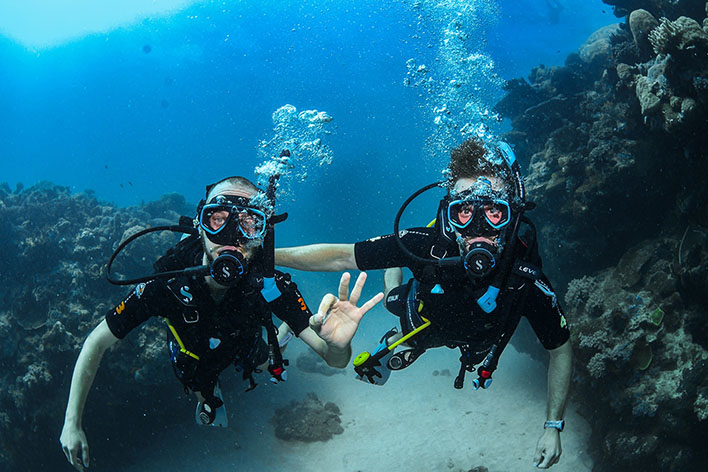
<point>559,425</point>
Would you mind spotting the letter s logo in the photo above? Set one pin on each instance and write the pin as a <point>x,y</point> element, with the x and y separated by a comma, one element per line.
<point>478,264</point>
<point>225,271</point>
<point>185,293</point>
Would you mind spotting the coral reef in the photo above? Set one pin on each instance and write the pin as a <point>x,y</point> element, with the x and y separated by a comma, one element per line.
<point>636,337</point>
<point>54,246</point>
<point>308,420</point>
<point>608,135</point>
<point>616,148</point>
<point>641,23</point>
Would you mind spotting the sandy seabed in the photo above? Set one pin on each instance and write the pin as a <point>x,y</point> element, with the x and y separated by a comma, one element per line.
<point>416,422</point>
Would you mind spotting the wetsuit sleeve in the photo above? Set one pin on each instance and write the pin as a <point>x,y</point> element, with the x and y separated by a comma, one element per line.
<point>545,315</point>
<point>290,306</point>
<point>137,307</point>
<point>383,252</point>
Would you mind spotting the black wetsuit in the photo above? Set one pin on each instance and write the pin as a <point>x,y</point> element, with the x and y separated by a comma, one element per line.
<point>449,300</point>
<point>206,336</point>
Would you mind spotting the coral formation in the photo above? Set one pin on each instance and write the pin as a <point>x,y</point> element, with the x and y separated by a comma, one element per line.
<point>308,420</point>
<point>588,130</point>
<point>616,145</point>
<point>620,334</point>
<point>54,246</point>
<point>641,23</point>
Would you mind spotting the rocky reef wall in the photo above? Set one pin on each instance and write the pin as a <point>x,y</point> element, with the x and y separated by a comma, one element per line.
<point>616,147</point>
<point>53,248</point>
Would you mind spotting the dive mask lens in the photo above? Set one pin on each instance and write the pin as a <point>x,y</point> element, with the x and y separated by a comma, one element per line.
<point>220,219</point>
<point>251,222</point>
<point>496,212</point>
<point>213,217</point>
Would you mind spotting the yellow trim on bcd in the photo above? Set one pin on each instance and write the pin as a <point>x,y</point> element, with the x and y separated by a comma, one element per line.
<point>179,341</point>
<point>411,334</point>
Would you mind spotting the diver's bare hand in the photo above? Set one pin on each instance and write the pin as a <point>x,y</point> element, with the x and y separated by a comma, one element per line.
<point>75,446</point>
<point>548,449</point>
<point>337,319</point>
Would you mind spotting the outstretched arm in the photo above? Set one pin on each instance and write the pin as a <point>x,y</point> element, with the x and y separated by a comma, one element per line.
<point>73,439</point>
<point>548,449</point>
<point>317,257</point>
<point>333,327</point>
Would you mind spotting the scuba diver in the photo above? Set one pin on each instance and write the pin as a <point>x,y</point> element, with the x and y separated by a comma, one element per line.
<point>217,290</point>
<point>476,271</point>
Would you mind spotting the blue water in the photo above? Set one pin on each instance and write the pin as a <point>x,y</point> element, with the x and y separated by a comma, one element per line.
<point>101,113</point>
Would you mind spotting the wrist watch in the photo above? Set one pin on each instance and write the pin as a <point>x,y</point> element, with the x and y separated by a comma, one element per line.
<point>559,425</point>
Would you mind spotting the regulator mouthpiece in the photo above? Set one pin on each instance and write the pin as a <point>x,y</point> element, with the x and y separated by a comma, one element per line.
<point>479,261</point>
<point>228,268</point>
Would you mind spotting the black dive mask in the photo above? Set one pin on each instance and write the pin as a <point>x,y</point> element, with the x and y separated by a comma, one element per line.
<point>229,219</point>
<point>478,216</point>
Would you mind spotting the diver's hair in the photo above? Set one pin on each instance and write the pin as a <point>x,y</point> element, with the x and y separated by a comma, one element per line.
<point>235,180</point>
<point>472,159</point>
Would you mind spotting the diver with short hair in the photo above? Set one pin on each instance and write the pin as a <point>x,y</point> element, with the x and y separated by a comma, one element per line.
<point>217,290</point>
<point>476,271</point>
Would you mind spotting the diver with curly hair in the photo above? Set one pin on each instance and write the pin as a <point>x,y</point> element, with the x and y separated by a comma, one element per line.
<point>476,272</point>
